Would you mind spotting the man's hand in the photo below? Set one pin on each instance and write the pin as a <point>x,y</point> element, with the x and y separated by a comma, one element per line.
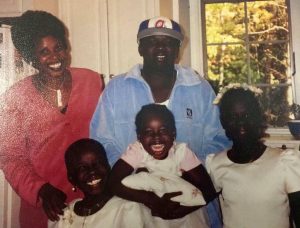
<point>53,201</point>
<point>142,169</point>
<point>163,207</point>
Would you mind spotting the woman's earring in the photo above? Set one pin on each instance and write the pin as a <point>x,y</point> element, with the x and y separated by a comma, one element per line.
<point>74,189</point>
<point>174,143</point>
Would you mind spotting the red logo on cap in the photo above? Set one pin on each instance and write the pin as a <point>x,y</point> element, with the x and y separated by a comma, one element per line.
<point>160,24</point>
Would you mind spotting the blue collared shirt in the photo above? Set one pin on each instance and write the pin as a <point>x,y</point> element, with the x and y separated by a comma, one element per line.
<point>191,101</point>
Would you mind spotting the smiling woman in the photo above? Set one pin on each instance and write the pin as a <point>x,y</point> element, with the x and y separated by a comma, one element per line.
<point>42,115</point>
<point>47,51</point>
<point>53,80</point>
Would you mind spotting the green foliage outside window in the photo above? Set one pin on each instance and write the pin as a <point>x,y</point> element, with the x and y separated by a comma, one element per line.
<point>249,42</point>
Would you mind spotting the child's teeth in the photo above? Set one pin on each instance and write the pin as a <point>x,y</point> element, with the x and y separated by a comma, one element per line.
<point>157,147</point>
<point>56,65</point>
<point>94,182</point>
<point>160,57</point>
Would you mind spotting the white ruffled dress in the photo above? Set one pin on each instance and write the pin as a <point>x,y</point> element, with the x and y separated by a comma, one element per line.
<point>256,194</point>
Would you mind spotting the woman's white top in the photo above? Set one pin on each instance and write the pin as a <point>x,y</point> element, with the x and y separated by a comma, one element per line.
<point>256,194</point>
<point>116,213</point>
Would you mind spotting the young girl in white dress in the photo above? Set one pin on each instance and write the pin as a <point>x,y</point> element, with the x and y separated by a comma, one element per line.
<point>259,186</point>
<point>172,182</point>
<point>88,170</point>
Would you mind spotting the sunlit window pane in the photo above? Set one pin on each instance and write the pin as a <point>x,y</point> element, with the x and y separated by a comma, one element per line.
<point>225,22</point>
<point>267,20</point>
<point>276,102</point>
<point>249,42</point>
<point>269,63</point>
<point>227,63</point>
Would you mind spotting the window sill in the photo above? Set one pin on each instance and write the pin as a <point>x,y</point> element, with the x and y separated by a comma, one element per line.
<point>281,138</point>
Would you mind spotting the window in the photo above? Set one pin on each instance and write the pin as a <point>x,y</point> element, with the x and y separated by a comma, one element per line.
<point>249,41</point>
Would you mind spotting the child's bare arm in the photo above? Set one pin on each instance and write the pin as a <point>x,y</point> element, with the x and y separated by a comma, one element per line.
<point>199,177</point>
<point>119,171</point>
<point>160,206</point>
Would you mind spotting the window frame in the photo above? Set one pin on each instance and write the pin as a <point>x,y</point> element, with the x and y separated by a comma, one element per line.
<point>247,41</point>
<point>199,52</point>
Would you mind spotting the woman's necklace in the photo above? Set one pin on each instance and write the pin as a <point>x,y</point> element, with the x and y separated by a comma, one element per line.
<point>83,223</point>
<point>87,211</point>
<point>58,91</point>
<point>243,156</point>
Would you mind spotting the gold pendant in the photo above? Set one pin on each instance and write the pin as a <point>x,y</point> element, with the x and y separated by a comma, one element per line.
<point>59,98</point>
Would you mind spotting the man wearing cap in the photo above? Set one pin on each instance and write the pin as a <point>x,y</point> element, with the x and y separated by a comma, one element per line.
<point>159,80</point>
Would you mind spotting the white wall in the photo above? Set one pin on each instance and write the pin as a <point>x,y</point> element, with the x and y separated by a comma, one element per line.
<point>82,20</point>
<point>124,18</point>
<point>103,35</point>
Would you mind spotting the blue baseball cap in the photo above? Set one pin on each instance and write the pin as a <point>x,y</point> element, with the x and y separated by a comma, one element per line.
<point>159,26</point>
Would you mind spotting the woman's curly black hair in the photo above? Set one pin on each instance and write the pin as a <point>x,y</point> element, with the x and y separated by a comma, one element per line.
<point>31,27</point>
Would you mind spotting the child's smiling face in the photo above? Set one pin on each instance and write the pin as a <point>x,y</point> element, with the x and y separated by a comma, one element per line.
<point>156,138</point>
<point>240,123</point>
<point>90,172</point>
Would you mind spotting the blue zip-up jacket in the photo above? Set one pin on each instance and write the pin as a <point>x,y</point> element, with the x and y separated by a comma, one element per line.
<point>191,101</point>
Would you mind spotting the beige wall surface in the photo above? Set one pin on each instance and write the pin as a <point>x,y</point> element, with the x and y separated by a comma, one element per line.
<point>103,35</point>
<point>47,5</point>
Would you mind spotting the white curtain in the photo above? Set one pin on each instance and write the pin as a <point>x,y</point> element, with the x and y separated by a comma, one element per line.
<point>12,67</point>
